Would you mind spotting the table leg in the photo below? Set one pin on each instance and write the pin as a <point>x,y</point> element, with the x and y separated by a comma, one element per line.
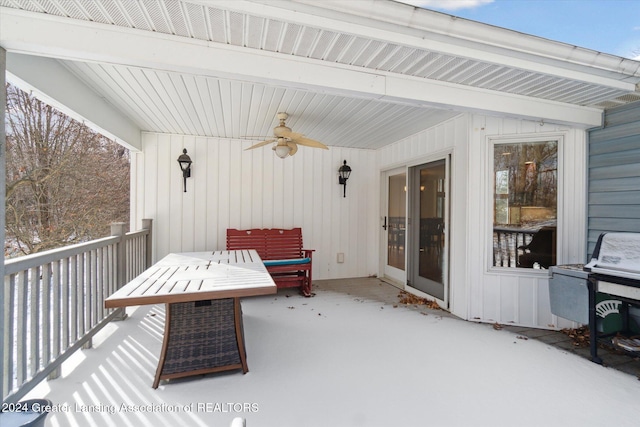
<point>202,337</point>
<point>240,334</point>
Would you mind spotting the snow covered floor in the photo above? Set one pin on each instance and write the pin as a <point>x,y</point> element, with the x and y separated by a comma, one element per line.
<point>343,359</point>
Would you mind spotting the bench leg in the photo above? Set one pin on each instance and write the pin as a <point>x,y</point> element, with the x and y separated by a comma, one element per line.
<point>306,285</point>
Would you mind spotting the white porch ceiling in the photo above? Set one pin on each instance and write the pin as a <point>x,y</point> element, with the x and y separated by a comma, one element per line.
<point>199,105</point>
<point>384,70</point>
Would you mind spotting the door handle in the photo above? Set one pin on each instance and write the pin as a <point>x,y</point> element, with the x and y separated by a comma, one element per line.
<point>385,223</point>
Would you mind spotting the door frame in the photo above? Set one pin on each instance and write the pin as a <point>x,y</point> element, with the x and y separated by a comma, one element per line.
<point>392,275</point>
<point>447,153</point>
<point>412,240</point>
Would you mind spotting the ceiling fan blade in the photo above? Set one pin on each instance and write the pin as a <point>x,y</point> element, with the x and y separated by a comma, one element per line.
<point>293,147</point>
<point>309,142</point>
<point>260,144</point>
<point>288,134</point>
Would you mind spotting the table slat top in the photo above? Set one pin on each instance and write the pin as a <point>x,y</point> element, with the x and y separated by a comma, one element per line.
<point>194,276</point>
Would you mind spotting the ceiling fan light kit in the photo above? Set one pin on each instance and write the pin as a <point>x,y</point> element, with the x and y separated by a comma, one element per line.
<point>282,151</point>
<point>287,141</point>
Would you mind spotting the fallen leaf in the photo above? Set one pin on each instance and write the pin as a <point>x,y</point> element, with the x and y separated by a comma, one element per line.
<point>410,299</point>
<point>579,336</point>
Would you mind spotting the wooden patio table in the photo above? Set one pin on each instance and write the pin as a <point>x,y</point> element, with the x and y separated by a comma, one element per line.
<point>202,291</point>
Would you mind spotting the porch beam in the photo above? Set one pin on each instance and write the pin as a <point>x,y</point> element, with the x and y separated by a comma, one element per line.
<point>52,83</point>
<point>46,35</point>
<point>422,92</point>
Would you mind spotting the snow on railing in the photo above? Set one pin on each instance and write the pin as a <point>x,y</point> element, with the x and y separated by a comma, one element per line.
<point>506,242</point>
<point>54,303</point>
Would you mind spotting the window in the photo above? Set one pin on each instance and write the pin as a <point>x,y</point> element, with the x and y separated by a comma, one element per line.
<point>525,200</point>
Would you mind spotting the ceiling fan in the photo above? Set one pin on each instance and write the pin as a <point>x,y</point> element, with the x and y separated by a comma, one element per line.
<point>287,141</point>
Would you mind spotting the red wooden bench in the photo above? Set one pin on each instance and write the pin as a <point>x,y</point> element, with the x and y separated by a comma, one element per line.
<point>282,253</point>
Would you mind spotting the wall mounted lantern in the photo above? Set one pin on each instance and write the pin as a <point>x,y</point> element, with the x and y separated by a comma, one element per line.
<point>343,176</point>
<point>185,166</point>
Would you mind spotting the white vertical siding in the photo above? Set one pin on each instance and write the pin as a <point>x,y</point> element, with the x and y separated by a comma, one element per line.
<point>516,297</point>
<point>233,188</point>
<point>478,292</point>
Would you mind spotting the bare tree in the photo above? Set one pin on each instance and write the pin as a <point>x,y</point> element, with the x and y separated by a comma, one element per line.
<point>65,183</point>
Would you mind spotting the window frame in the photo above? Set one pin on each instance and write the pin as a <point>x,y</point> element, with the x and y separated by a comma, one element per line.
<point>490,201</point>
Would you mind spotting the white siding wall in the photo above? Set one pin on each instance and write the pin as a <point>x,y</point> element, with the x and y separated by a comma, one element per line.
<point>478,292</point>
<point>233,188</point>
<point>246,189</point>
<point>521,298</point>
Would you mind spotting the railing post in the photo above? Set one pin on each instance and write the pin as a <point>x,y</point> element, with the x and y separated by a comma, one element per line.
<point>119,229</point>
<point>147,224</point>
<point>4,292</point>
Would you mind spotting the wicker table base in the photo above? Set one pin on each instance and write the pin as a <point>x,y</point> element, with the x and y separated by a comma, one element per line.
<point>202,337</point>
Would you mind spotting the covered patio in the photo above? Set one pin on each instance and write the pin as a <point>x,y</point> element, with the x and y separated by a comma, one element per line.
<point>351,356</point>
<point>389,88</point>
<point>386,86</point>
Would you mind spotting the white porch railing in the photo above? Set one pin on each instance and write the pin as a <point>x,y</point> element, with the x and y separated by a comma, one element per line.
<point>506,242</point>
<point>54,303</point>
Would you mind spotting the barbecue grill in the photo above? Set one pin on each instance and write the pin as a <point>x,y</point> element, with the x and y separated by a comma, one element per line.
<point>614,269</point>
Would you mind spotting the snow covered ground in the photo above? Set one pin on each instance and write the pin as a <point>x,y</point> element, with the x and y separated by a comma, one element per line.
<point>343,359</point>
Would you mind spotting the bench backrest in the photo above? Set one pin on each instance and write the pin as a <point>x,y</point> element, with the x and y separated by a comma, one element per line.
<point>271,243</point>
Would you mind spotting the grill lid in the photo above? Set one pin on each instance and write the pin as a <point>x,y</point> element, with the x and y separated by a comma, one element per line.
<point>616,254</point>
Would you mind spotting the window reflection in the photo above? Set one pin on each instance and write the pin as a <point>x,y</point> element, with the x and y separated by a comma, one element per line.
<point>525,204</point>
